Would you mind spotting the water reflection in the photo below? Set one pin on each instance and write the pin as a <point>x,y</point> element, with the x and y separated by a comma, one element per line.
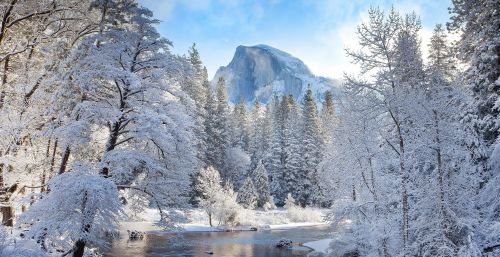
<point>223,244</point>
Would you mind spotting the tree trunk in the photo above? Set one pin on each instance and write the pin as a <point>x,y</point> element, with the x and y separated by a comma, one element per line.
<point>7,216</point>
<point>79,248</point>
<point>372,177</point>
<point>4,81</point>
<point>210,219</point>
<point>404,180</point>
<point>64,160</point>
<point>404,194</point>
<point>439,160</point>
<point>53,159</point>
<point>353,193</point>
<point>441,200</point>
<point>6,209</point>
<point>116,128</point>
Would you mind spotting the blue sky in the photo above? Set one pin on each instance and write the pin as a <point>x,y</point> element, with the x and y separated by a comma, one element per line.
<point>316,31</point>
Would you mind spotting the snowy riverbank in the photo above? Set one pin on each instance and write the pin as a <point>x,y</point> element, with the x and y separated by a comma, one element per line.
<point>320,246</point>
<point>249,220</point>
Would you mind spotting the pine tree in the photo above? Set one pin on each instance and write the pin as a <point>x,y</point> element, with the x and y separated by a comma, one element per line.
<point>312,146</point>
<point>328,118</point>
<point>247,195</point>
<point>274,156</point>
<point>221,127</point>
<point>239,126</point>
<point>197,88</point>
<point>293,160</point>
<point>217,127</point>
<point>478,22</point>
<point>261,183</point>
<point>441,60</point>
<point>259,132</point>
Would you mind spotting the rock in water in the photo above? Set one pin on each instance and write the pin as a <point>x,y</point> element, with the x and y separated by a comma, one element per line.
<point>284,243</point>
<point>260,72</point>
<point>134,234</point>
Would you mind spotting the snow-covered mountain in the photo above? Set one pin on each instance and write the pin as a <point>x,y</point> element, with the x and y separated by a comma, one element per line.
<point>260,72</point>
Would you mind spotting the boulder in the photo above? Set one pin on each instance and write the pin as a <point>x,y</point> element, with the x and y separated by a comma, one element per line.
<point>284,243</point>
<point>134,234</point>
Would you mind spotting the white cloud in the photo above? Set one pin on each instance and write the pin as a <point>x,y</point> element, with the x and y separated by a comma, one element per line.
<point>162,10</point>
<point>320,43</point>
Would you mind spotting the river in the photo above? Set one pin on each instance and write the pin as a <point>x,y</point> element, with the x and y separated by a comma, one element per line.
<point>221,244</point>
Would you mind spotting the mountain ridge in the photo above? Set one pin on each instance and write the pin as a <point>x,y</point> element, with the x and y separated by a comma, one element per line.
<point>256,73</point>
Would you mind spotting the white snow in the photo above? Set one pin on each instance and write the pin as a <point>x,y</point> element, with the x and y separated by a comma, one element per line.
<point>200,228</point>
<point>290,61</point>
<point>320,245</point>
<point>293,225</point>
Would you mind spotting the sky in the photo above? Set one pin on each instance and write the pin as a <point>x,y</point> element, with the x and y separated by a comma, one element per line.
<point>315,31</point>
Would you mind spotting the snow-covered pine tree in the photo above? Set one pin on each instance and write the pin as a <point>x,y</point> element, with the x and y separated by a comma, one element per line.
<point>274,155</point>
<point>260,179</point>
<point>210,130</point>
<point>221,128</point>
<point>240,126</point>
<point>247,195</point>
<point>477,23</point>
<point>328,117</point>
<point>259,134</point>
<point>312,147</point>
<point>197,89</point>
<point>237,161</point>
<point>292,158</point>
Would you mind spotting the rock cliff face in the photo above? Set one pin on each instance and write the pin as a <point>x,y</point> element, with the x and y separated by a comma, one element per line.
<point>260,72</point>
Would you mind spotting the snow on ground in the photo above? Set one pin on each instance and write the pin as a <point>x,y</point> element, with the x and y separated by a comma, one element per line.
<point>292,225</point>
<point>320,245</point>
<point>249,219</point>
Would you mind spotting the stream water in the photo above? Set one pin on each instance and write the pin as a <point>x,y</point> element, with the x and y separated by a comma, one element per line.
<point>221,244</point>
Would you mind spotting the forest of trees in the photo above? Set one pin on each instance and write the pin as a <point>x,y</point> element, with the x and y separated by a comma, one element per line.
<point>283,141</point>
<point>98,120</point>
<point>414,160</point>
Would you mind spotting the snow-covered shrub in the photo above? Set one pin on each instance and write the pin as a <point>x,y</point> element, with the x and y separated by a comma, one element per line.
<point>217,201</point>
<point>296,213</point>
<point>307,214</point>
<point>289,202</point>
<point>81,205</point>
<point>269,205</point>
<point>226,208</point>
<point>208,185</point>
<point>9,248</point>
